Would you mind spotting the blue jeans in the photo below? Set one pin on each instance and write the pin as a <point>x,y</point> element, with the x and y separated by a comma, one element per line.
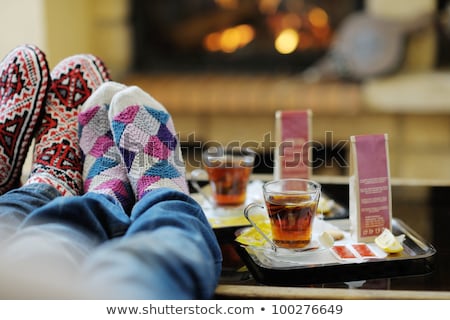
<point>165,249</point>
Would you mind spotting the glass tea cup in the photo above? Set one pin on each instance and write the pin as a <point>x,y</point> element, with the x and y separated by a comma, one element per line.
<point>291,205</point>
<point>228,172</point>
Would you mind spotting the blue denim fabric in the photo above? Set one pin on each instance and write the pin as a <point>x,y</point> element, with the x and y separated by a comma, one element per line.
<point>164,250</point>
<point>16,205</point>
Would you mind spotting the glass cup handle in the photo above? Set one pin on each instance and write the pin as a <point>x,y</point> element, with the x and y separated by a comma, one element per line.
<point>247,216</point>
<point>195,174</point>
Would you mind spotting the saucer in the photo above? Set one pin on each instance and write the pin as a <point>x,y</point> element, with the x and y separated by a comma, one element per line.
<point>313,247</point>
<point>233,216</point>
<point>306,255</point>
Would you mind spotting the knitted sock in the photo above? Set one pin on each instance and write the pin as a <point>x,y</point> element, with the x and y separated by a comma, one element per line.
<point>144,133</point>
<point>103,170</point>
<point>57,157</point>
<point>24,82</point>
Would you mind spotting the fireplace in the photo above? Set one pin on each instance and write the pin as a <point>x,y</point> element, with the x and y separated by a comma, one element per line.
<point>233,35</point>
<point>225,95</point>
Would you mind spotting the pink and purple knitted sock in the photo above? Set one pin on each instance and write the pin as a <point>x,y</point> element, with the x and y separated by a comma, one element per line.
<point>103,170</point>
<point>143,131</point>
<point>57,156</point>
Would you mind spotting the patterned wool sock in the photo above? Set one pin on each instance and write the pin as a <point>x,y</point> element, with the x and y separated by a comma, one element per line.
<point>57,157</point>
<point>24,82</point>
<point>144,133</point>
<point>103,170</point>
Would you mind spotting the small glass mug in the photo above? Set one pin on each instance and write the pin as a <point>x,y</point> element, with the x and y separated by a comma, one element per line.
<point>291,206</point>
<point>228,173</point>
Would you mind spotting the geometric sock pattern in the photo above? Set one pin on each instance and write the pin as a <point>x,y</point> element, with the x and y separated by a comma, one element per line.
<point>103,170</point>
<point>24,82</point>
<point>144,133</point>
<point>57,156</point>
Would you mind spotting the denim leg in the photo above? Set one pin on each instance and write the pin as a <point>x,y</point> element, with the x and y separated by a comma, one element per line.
<point>91,213</point>
<point>168,252</point>
<point>16,204</point>
<point>53,240</point>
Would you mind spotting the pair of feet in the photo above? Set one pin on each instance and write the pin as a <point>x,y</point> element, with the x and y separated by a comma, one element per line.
<point>37,104</point>
<point>128,139</point>
<point>129,145</point>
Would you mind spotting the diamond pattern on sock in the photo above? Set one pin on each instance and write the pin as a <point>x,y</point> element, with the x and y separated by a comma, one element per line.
<point>24,82</point>
<point>72,89</point>
<point>74,79</point>
<point>103,169</point>
<point>144,133</point>
<point>10,133</point>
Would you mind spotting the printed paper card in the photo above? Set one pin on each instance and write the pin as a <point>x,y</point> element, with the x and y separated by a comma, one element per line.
<point>293,136</point>
<point>370,187</point>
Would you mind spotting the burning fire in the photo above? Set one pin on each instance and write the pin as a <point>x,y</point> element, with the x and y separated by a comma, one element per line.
<point>230,39</point>
<point>293,29</point>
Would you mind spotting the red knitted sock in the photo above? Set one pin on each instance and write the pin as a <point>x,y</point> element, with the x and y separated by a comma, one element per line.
<point>24,82</point>
<point>57,157</point>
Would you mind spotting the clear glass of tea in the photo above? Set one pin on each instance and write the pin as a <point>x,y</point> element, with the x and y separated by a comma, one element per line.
<point>291,205</point>
<point>228,172</point>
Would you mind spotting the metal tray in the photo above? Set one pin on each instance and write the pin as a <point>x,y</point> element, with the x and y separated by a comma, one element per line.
<point>417,258</point>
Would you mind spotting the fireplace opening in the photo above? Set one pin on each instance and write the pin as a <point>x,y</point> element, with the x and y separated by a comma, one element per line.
<point>233,35</point>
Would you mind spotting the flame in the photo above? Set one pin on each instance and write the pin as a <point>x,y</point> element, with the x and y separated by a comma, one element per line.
<point>292,20</point>
<point>268,6</point>
<point>312,28</point>
<point>318,17</point>
<point>230,39</point>
<point>287,41</point>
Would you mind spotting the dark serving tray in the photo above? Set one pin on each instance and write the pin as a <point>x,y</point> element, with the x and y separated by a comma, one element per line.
<point>417,258</point>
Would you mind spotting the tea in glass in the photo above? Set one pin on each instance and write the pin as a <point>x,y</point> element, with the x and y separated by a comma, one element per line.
<point>229,172</point>
<point>291,219</point>
<point>228,180</point>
